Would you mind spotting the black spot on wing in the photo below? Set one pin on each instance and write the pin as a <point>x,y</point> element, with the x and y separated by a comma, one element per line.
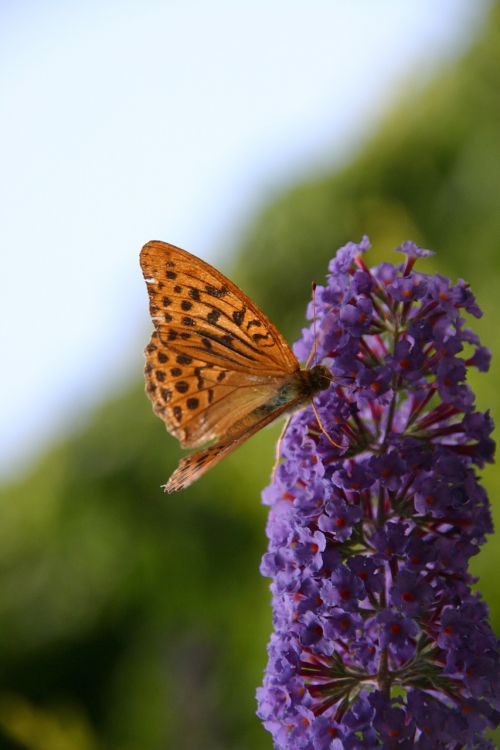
<point>214,315</point>
<point>197,372</point>
<point>239,316</point>
<point>218,292</point>
<point>194,293</point>
<point>227,342</point>
<point>259,336</point>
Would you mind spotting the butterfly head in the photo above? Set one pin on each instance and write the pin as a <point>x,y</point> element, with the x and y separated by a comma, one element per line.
<point>319,378</point>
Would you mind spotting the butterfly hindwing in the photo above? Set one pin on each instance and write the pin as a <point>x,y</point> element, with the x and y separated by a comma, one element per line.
<point>192,467</point>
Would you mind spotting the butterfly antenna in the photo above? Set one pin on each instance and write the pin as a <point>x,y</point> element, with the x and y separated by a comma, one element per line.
<point>315,344</point>
<point>308,363</point>
<point>277,456</point>
<point>323,428</point>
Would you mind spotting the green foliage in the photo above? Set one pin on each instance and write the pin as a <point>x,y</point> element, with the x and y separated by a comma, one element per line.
<point>146,609</point>
<point>131,619</point>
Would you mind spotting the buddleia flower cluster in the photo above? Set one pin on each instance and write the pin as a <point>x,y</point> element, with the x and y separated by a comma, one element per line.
<point>379,640</point>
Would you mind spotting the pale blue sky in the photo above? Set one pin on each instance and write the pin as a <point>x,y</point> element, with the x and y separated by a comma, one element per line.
<point>122,122</point>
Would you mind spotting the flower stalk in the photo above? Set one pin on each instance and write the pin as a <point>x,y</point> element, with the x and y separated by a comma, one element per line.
<point>379,640</point>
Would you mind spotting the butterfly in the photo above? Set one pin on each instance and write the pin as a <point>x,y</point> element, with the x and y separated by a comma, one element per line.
<point>217,370</point>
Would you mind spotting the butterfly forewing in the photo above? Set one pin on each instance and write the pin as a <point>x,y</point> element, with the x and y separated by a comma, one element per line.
<point>214,357</point>
<point>198,311</point>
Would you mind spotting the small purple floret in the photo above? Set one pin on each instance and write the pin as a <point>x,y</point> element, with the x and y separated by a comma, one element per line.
<point>379,640</point>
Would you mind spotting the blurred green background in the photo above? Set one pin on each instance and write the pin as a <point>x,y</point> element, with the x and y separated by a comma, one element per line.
<point>129,619</point>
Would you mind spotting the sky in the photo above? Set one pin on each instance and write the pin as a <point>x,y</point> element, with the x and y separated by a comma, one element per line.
<point>122,122</point>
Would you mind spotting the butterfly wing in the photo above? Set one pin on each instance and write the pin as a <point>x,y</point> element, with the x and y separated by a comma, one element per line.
<point>214,356</point>
<point>199,401</point>
<point>197,463</point>
<point>189,296</point>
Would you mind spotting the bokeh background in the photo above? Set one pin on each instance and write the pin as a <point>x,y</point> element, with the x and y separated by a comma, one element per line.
<point>261,136</point>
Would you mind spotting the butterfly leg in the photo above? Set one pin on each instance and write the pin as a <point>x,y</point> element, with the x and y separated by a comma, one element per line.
<point>278,446</point>
<point>323,429</point>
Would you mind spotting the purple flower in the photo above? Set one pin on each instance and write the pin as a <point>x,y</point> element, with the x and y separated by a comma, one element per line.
<point>411,250</point>
<point>408,359</point>
<point>388,468</point>
<point>353,476</point>
<point>374,381</point>
<point>368,570</point>
<point>326,734</point>
<point>410,592</point>
<point>345,257</point>
<point>341,624</point>
<point>379,641</point>
<point>395,727</point>
<point>356,318</point>
<point>396,630</point>
<point>339,519</point>
<point>407,288</point>
<point>480,359</point>
<point>390,540</point>
<point>343,589</point>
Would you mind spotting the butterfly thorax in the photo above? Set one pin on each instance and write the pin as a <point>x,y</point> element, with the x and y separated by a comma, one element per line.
<point>298,389</point>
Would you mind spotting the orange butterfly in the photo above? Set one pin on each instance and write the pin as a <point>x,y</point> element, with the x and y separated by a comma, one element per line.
<point>217,370</point>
